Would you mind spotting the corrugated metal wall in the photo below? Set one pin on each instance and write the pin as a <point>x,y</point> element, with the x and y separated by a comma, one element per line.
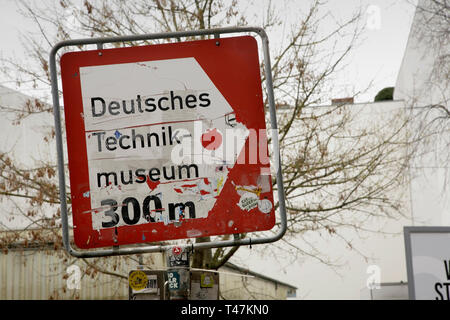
<point>37,274</point>
<point>45,274</point>
<point>249,288</point>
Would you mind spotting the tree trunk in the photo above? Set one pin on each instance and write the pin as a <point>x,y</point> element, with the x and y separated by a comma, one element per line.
<point>202,257</point>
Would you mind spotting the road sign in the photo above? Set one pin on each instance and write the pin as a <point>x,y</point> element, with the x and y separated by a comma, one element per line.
<point>166,142</point>
<point>428,262</point>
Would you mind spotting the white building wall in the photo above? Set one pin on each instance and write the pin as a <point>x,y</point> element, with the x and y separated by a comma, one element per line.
<point>384,249</point>
<point>419,89</point>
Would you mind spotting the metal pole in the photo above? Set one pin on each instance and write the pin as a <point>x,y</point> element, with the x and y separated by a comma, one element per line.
<point>178,272</point>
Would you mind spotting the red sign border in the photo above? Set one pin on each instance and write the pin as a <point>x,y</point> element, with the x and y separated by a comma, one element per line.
<point>243,52</point>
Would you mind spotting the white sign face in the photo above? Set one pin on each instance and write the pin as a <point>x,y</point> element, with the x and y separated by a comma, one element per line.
<point>429,259</point>
<point>144,138</point>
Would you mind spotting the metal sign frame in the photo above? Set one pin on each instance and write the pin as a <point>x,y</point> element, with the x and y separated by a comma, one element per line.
<point>115,250</point>
<point>407,231</point>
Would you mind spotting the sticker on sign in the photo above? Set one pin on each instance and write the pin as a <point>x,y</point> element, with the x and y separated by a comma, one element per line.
<point>166,142</point>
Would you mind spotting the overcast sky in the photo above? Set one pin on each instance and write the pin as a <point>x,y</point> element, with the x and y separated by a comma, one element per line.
<point>376,59</point>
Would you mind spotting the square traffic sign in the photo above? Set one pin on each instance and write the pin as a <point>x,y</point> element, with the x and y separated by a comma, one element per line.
<point>166,142</point>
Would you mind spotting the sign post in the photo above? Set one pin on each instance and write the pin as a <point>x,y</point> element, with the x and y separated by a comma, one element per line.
<point>166,142</point>
<point>178,272</point>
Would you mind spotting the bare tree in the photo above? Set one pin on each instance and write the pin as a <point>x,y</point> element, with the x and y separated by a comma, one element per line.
<point>338,173</point>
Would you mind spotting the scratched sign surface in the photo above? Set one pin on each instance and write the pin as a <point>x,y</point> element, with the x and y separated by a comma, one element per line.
<point>166,142</point>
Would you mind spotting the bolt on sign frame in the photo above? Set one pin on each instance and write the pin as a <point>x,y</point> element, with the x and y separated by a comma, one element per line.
<point>120,250</point>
